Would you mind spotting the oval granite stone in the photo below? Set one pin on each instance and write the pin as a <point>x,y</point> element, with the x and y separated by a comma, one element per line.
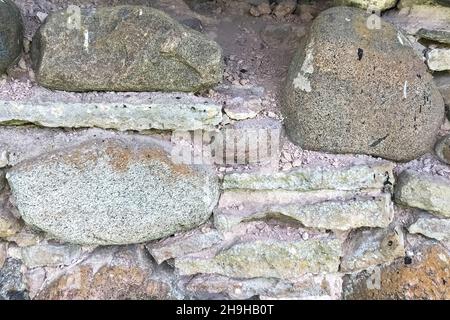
<point>113,192</point>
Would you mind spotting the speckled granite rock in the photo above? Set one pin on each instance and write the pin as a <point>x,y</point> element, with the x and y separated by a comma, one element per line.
<point>123,48</point>
<point>352,89</point>
<point>11,34</point>
<point>112,192</point>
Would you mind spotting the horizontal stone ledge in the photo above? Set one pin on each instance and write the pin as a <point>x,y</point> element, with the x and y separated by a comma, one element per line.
<point>282,259</point>
<point>356,177</point>
<point>120,111</point>
<point>308,286</point>
<point>334,214</point>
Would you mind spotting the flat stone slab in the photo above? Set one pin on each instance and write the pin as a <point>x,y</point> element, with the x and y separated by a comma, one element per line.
<point>356,177</point>
<point>424,191</point>
<point>120,111</point>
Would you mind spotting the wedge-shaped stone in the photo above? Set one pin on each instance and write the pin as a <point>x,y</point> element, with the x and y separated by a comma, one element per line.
<point>334,214</point>
<point>183,244</point>
<point>123,48</point>
<point>355,177</point>
<point>142,111</point>
<point>424,191</point>
<point>435,228</point>
<point>112,192</point>
<point>267,258</point>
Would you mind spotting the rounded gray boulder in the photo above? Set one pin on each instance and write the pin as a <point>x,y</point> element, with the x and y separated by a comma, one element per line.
<point>358,87</point>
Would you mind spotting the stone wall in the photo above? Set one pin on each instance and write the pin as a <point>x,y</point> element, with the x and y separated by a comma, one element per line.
<point>105,195</point>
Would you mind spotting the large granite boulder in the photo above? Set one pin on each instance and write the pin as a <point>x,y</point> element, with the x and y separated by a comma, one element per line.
<point>11,34</point>
<point>352,89</point>
<point>123,48</point>
<point>112,192</point>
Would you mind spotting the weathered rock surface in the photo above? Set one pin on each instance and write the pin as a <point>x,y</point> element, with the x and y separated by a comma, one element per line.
<point>132,111</point>
<point>332,102</point>
<point>3,249</point>
<point>123,48</point>
<point>427,277</point>
<point>435,228</point>
<point>442,149</point>
<point>110,273</point>
<point>12,286</point>
<point>355,177</point>
<point>2,179</point>
<point>438,59</point>
<point>442,36</point>
<point>184,244</point>
<point>343,213</point>
<point>423,191</point>
<point>367,248</point>
<point>417,16</point>
<point>267,258</point>
<point>11,34</point>
<point>50,255</point>
<point>9,224</point>
<point>309,286</point>
<point>442,81</point>
<point>112,192</point>
<point>372,4</point>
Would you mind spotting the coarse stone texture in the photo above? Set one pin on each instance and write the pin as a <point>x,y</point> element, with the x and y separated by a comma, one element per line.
<point>3,252</point>
<point>9,224</point>
<point>438,59</point>
<point>442,36</point>
<point>123,48</point>
<point>427,278</point>
<point>367,248</point>
<point>2,179</point>
<point>372,4</point>
<point>435,228</point>
<point>262,139</point>
<point>183,244</point>
<point>3,161</point>
<point>110,273</point>
<point>112,192</point>
<point>12,286</point>
<point>333,103</point>
<point>11,34</point>
<point>442,80</point>
<point>416,17</point>
<point>284,7</point>
<point>424,191</point>
<point>356,177</point>
<point>326,286</point>
<point>142,111</point>
<point>409,3</point>
<point>442,149</point>
<point>335,214</point>
<point>51,255</point>
<point>267,258</point>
